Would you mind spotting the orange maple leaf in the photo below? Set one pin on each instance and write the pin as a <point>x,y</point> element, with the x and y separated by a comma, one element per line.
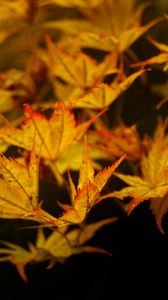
<point>153,183</point>
<point>88,190</point>
<point>54,136</point>
<point>118,141</point>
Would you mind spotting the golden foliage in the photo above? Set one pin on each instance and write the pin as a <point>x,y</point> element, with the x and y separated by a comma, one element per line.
<point>153,183</point>
<point>108,24</point>
<point>66,81</point>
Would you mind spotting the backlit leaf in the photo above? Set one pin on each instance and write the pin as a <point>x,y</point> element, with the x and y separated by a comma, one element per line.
<point>102,95</point>
<point>88,190</point>
<point>53,136</point>
<point>19,190</point>
<point>120,140</point>
<point>153,184</point>
<point>78,70</point>
<point>108,24</point>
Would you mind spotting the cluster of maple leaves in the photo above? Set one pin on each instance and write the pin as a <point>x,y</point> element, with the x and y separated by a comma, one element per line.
<point>54,109</point>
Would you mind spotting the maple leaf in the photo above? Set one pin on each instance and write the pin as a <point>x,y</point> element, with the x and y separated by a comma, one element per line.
<point>82,77</point>
<point>58,246</point>
<point>118,141</point>
<point>106,25</point>
<point>161,58</point>
<point>53,136</point>
<point>153,183</point>
<point>18,187</point>
<point>88,190</point>
<point>62,243</point>
<point>102,95</point>
<point>19,190</point>
<point>99,96</point>
<point>18,256</point>
<point>78,69</point>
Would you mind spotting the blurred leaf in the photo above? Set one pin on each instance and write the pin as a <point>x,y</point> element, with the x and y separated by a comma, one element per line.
<point>58,246</point>
<point>109,24</point>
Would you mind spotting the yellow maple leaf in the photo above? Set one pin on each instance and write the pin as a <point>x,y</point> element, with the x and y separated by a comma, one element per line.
<point>88,190</point>
<point>19,190</point>
<point>53,135</point>
<point>18,256</point>
<point>120,140</point>
<point>82,77</point>
<point>106,25</point>
<point>58,246</point>
<point>102,95</point>
<point>78,70</point>
<point>153,183</point>
<point>62,243</point>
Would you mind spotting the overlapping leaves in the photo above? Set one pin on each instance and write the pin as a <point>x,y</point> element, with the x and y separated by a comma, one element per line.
<point>61,76</point>
<point>83,78</point>
<point>109,24</point>
<point>153,182</point>
<point>54,136</point>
